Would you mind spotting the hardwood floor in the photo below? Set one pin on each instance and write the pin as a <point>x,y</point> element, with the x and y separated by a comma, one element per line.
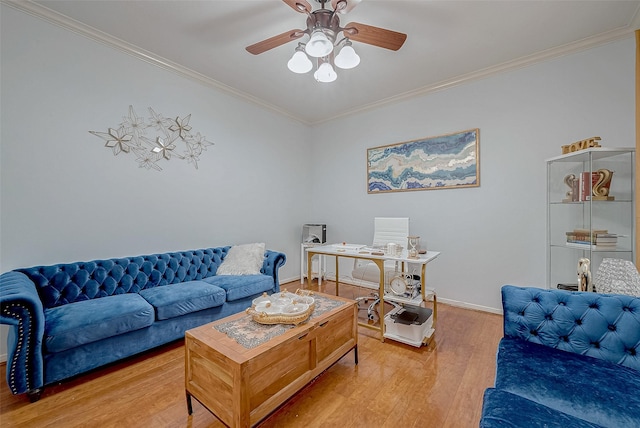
<point>394,385</point>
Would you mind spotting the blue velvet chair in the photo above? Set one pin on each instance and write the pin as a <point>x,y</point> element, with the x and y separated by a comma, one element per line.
<point>567,359</point>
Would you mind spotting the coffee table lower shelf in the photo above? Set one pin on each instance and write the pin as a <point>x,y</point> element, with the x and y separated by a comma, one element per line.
<point>242,386</point>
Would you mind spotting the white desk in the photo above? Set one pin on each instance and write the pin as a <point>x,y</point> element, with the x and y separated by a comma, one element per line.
<point>362,252</point>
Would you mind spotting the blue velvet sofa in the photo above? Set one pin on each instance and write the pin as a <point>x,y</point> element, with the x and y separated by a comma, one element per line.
<point>567,359</point>
<point>66,319</point>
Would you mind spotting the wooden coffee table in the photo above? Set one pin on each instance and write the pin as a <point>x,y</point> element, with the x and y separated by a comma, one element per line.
<point>242,371</point>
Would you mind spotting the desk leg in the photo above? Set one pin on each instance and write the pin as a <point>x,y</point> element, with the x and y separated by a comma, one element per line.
<point>337,277</point>
<point>309,257</point>
<point>380,264</point>
<point>423,281</point>
<point>435,310</point>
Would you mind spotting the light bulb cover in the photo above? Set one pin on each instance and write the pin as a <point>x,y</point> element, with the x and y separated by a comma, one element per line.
<point>300,63</point>
<point>318,45</point>
<point>347,58</point>
<point>325,73</point>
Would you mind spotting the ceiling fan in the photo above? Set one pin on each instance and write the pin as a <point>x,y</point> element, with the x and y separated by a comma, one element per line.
<point>323,29</point>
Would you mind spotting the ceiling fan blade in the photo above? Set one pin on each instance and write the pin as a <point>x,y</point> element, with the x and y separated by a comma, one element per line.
<point>275,41</point>
<point>301,6</point>
<point>374,36</point>
<point>344,6</point>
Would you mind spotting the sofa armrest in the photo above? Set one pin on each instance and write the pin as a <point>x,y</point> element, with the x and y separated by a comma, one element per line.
<point>273,260</point>
<point>605,326</point>
<point>21,309</point>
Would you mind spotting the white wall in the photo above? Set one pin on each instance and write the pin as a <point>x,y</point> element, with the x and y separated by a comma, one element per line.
<point>65,197</point>
<point>494,234</point>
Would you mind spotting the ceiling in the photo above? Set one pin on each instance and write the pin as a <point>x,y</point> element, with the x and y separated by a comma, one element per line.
<point>448,42</point>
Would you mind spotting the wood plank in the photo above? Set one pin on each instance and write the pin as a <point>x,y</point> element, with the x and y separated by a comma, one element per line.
<point>393,385</point>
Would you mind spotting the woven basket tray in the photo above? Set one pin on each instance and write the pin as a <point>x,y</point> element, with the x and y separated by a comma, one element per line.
<point>282,318</point>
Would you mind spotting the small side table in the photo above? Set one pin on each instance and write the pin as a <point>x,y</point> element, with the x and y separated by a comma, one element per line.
<point>322,263</point>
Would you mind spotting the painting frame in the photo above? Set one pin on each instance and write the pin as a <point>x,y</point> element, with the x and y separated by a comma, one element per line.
<point>449,161</point>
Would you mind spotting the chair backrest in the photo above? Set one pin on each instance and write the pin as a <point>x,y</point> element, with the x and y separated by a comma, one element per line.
<point>598,325</point>
<point>390,230</point>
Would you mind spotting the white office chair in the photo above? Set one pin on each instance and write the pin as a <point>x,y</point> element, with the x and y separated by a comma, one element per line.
<point>365,273</point>
<point>617,276</point>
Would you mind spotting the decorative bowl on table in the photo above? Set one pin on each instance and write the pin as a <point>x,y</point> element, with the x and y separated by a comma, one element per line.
<point>282,308</point>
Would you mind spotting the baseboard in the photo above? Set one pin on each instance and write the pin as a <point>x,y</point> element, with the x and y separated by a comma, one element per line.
<point>330,276</point>
<point>3,358</point>
<point>286,282</point>
<point>472,306</point>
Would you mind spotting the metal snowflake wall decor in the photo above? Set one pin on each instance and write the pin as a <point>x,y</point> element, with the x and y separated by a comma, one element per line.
<point>156,140</point>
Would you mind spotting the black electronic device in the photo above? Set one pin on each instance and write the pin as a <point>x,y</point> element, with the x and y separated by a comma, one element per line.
<point>412,315</point>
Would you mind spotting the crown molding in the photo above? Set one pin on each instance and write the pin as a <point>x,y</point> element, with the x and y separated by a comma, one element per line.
<point>56,18</point>
<point>526,61</point>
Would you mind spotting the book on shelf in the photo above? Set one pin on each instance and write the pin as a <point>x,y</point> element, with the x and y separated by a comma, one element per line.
<point>592,240</point>
<point>589,231</point>
<point>606,237</point>
<point>595,237</point>
<point>581,238</point>
<point>586,182</point>
<point>588,246</point>
<point>606,241</point>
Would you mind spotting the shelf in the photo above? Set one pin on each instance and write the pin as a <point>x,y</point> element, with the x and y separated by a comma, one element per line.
<point>601,249</point>
<point>407,341</point>
<point>616,216</point>
<point>416,301</point>
<point>596,153</point>
<point>615,201</point>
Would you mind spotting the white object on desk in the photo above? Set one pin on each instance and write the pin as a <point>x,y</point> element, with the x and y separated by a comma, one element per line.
<point>348,247</point>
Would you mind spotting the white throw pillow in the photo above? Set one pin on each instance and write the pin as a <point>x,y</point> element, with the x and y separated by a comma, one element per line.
<point>244,259</point>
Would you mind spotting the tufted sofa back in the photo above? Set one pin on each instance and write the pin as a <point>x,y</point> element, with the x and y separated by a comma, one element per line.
<point>72,282</point>
<point>605,326</point>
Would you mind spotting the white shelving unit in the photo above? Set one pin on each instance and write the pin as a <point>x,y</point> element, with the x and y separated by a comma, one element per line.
<point>616,214</point>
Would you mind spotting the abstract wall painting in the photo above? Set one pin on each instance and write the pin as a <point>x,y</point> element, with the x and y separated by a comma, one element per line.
<point>444,162</point>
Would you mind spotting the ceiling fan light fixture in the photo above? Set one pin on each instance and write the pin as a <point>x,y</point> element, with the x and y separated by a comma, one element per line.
<point>299,62</point>
<point>319,44</point>
<point>347,58</point>
<point>325,49</point>
<point>325,73</point>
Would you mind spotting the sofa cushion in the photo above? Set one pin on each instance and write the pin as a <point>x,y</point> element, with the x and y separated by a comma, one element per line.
<point>503,409</point>
<point>78,323</point>
<point>244,259</point>
<point>239,287</point>
<point>173,300</point>
<point>588,388</point>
